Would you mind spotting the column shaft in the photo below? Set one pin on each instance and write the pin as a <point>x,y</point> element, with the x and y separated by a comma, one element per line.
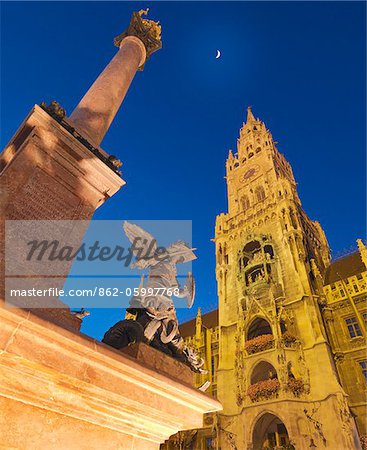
<point>97,109</point>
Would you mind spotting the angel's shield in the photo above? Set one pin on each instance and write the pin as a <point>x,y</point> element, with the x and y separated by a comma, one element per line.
<point>190,285</point>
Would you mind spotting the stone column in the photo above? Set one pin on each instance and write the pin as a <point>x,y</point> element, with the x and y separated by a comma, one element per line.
<point>97,109</point>
<point>52,169</point>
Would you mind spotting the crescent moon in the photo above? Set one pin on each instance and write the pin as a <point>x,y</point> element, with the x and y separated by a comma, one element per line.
<point>218,54</point>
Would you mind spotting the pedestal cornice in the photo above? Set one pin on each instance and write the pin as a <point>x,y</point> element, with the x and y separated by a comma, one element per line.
<point>68,373</point>
<point>55,140</point>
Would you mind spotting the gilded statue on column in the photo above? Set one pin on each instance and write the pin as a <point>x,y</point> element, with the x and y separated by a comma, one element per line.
<point>147,30</point>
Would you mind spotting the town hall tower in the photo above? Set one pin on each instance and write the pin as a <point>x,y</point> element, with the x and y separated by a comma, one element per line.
<point>275,377</point>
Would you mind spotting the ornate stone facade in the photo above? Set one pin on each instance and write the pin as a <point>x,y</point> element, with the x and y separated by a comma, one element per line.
<point>269,349</point>
<point>345,316</point>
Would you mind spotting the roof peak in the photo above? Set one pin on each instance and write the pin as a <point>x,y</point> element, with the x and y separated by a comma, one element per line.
<point>250,116</point>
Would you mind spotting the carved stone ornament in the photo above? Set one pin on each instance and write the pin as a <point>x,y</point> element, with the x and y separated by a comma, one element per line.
<point>57,112</point>
<point>54,109</point>
<point>208,419</point>
<point>148,31</point>
<point>115,161</point>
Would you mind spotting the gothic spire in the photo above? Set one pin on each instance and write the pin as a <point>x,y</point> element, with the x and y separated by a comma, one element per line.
<point>362,251</point>
<point>250,116</point>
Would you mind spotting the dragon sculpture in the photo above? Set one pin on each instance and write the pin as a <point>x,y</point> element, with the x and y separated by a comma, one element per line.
<point>151,316</point>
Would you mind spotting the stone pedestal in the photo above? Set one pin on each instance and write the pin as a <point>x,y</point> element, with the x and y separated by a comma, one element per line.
<point>46,173</point>
<point>160,362</point>
<point>54,169</point>
<point>63,390</point>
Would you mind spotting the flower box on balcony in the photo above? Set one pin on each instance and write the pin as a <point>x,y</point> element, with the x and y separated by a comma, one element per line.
<point>263,390</point>
<point>296,386</point>
<point>259,343</point>
<point>289,339</point>
<point>364,442</point>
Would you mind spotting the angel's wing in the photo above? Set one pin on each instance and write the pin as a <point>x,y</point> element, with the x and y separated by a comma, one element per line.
<point>144,244</point>
<point>181,251</point>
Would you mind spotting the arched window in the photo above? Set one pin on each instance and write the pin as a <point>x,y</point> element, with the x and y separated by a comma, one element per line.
<point>263,371</point>
<point>270,432</point>
<point>258,327</point>
<point>269,252</point>
<point>251,246</point>
<point>245,202</point>
<point>226,258</point>
<point>260,193</point>
<point>220,254</point>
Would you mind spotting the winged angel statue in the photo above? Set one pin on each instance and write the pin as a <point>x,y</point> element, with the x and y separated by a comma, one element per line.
<point>152,314</point>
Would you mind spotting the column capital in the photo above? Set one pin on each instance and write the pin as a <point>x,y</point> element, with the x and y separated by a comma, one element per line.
<point>148,31</point>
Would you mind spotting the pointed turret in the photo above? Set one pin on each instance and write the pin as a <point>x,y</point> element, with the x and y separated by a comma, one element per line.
<point>362,251</point>
<point>250,116</point>
<point>198,317</point>
<point>198,328</point>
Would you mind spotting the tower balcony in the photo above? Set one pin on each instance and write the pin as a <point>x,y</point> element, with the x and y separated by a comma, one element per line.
<point>257,272</point>
<point>260,344</point>
<point>266,342</point>
<point>266,384</point>
<point>264,390</point>
<point>289,340</point>
<point>272,389</point>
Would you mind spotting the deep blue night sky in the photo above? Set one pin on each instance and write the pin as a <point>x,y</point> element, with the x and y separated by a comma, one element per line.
<point>300,65</point>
